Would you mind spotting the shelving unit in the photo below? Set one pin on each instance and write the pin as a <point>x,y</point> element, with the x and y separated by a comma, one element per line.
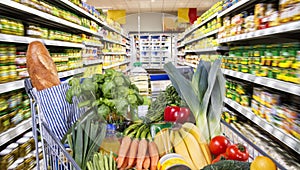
<point>92,62</point>
<point>238,5</point>
<point>115,65</point>
<point>194,27</point>
<point>58,22</point>
<point>93,44</point>
<point>268,82</point>
<point>14,132</point>
<point>204,50</point>
<point>113,41</point>
<point>271,129</point>
<point>201,37</point>
<point>27,40</point>
<point>264,33</point>
<point>288,32</point>
<point>155,49</point>
<point>114,53</point>
<point>30,15</point>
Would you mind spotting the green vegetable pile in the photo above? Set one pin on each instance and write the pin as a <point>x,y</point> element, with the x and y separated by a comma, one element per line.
<point>85,138</point>
<point>102,161</point>
<point>112,93</point>
<point>168,97</point>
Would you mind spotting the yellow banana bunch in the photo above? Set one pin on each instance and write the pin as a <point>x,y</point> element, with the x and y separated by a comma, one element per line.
<point>188,143</point>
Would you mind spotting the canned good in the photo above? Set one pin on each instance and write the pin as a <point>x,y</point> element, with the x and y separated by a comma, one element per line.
<point>24,146</point>
<point>6,158</point>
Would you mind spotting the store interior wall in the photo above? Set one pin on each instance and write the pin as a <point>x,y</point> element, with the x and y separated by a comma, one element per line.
<point>149,22</point>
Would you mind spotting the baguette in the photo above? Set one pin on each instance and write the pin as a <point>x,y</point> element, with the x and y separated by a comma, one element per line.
<point>41,68</point>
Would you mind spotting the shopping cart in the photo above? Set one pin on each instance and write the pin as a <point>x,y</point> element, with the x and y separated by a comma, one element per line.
<point>56,156</point>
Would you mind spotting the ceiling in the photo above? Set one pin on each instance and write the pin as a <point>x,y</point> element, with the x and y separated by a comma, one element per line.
<point>161,6</point>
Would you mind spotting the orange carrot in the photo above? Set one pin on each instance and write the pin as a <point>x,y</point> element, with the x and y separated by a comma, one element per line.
<point>125,163</point>
<point>124,147</point>
<point>142,150</point>
<point>146,163</point>
<point>154,156</point>
<point>132,152</point>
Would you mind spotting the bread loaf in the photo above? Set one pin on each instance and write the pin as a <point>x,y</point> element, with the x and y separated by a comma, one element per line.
<point>41,68</point>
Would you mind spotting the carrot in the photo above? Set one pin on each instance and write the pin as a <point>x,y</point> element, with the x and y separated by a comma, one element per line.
<point>125,163</point>
<point>132,152</point>
<point>142,150</point>
<point>146,163</point>
<point>154,156</point>
<point>124,147</point>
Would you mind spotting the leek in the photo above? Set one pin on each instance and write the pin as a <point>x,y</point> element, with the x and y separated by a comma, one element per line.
<point>206,99</point>
<point>216,103</point>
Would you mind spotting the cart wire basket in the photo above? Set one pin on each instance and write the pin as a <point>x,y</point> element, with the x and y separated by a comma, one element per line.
<point>55,154</point>
<point>57,157</point>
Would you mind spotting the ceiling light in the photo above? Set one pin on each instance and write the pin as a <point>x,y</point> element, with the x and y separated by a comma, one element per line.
<point>152,0</point>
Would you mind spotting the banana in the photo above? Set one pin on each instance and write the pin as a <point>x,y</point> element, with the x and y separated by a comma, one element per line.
<point>131,127</point>
<point>162,141</point>
<point>145,132</point>
<point>140,130</point>
<point>194,130</point>
<point>181,149</point>
<point>194,149</point>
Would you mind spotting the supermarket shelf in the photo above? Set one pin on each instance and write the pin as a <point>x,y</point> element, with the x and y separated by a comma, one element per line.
<point>88,55</point>
<point>10,86</point>
<point>190,64</point>
<point>213,49</point>
<point>199,25</point>
<point>284,28</point>
<point>92,62</point>
<point>63,44</point>
<point>45,16</point>
<point>70,72</point>
<point>27,40</point>
<point>181,38</point>
<point>115,53</point>
<point>181,54</point>
<point>268,82</point>
<point>94,44</point>
<point>180,46</point>
<point>234,7</point>
<point>202,37</point>
<point>154,50</point>
<point>113,41</point>
<point>115,65</point>
<point>281,135</point>
<point>87,14</point>
<point>15,131</point>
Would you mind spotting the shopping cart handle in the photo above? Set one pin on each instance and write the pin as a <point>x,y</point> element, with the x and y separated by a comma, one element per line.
<point>28,85</point>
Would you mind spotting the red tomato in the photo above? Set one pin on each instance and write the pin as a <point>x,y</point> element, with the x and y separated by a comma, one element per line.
<point>221,157</point>
<point>237,152</point>
<point>218,145</point>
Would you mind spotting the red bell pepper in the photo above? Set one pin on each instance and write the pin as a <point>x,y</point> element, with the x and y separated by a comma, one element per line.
<point>176,114</point>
